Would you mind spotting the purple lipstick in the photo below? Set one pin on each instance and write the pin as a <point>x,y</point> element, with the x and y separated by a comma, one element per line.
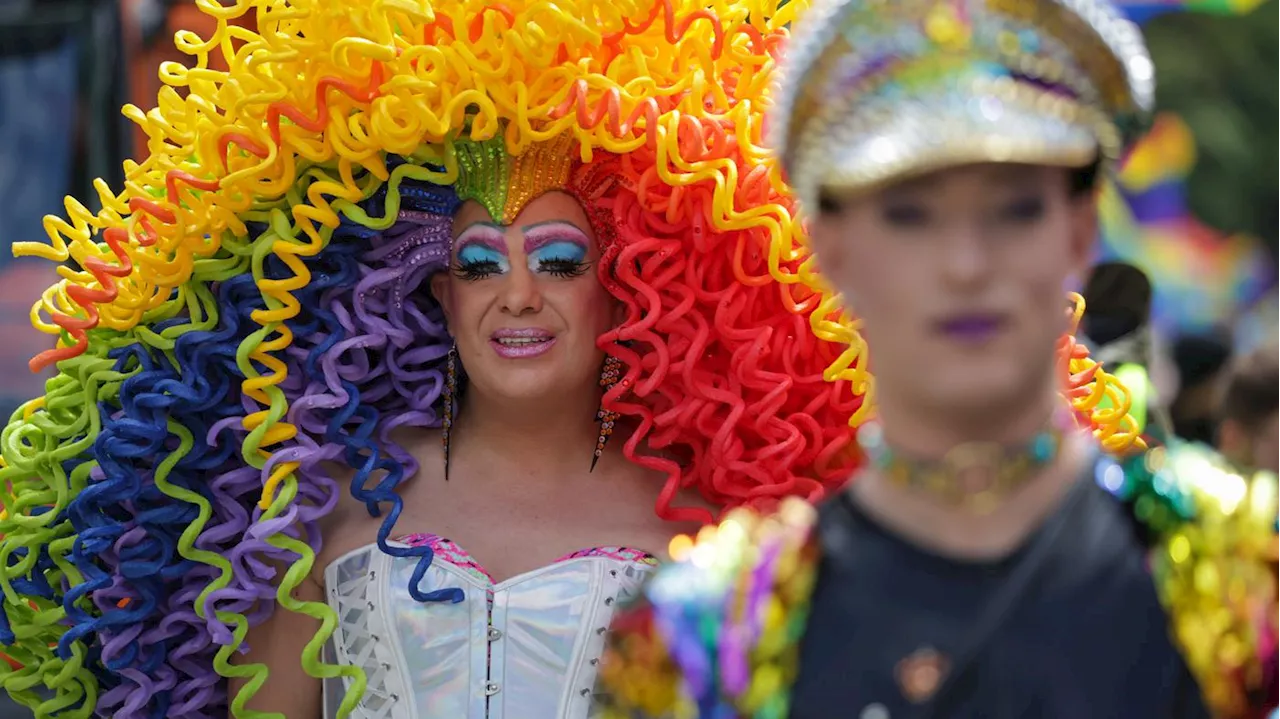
<point>972,328</point>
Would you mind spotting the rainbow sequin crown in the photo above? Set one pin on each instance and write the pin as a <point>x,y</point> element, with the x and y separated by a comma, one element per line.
<point>874,91</point>
<point>503,183</point>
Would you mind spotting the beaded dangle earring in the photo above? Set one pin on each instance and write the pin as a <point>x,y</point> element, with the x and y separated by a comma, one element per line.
<point>450,391</point>
<point>608,378</point>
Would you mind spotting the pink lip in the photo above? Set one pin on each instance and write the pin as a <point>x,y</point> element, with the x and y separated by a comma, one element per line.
<point>973,328</point>
<point>545,340</point>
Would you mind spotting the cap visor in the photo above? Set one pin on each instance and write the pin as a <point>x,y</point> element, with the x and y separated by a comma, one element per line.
<point>931,139</point>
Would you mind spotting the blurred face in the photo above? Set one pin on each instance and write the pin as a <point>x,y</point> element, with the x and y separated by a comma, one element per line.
<point>1266,446</point>
<point>523,301</point>
<point>1252,447</point>
<point>960,279</point>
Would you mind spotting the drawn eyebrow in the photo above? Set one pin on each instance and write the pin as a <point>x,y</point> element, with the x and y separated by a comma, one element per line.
<point>492,241</point>
<point>541,239</point>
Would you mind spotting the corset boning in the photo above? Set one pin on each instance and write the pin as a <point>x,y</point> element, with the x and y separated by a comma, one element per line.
<point>526,648</point>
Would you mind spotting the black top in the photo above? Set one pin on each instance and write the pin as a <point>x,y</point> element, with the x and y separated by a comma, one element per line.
<point>1086,639</point>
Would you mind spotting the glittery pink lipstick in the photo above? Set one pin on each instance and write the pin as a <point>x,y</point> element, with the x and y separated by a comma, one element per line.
<point>521,343</point>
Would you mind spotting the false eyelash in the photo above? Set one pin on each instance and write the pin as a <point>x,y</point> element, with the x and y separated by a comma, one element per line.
<point>564,269</point>
<point>472,271</point>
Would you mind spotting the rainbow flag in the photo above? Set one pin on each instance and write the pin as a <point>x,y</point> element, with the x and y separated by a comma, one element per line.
<point>1258,325</point>
<point>1142,10</point>
<point>1200,278</point>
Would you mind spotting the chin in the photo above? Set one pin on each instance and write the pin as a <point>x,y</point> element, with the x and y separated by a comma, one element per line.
<point>975,387</point>
<point>524,384</point>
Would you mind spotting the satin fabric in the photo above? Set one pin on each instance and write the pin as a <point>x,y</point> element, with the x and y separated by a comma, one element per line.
<point>525,648</point>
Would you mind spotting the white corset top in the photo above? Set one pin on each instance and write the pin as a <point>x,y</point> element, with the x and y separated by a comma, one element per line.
<point>525,648</point>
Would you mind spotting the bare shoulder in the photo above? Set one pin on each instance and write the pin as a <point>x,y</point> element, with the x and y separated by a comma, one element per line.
<point>338,528</point>
<point>634,498</point>
<point>350,525</point>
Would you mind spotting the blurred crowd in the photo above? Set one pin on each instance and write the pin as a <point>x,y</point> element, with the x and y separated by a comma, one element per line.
<point>1228,400</point>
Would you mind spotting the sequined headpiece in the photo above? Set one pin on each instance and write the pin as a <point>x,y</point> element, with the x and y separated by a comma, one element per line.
<point>504,184</point>
<point>878,90</point>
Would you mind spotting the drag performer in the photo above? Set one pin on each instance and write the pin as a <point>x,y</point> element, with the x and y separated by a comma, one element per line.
<point>371,379</point>
<point>992,560</point>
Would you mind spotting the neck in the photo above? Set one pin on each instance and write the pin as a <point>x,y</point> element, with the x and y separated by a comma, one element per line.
<point>956,531</point>
<point>930,432</point>
<point>558,432</point>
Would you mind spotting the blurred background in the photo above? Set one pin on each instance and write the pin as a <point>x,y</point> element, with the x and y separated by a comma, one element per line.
<point>1195,206</point>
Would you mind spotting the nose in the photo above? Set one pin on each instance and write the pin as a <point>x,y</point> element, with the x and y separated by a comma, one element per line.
<point>520,292</point>
<point>966,256</point>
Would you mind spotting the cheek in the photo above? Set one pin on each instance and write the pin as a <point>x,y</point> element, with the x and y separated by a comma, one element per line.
<point>875,282</point>
<point>827,243</point>
<point>584,303</point>
<point>1044,289</point>
<point>1044,268</point>
<point>467,300</point>
<point>1043,317</point>
<point>1267,452</point>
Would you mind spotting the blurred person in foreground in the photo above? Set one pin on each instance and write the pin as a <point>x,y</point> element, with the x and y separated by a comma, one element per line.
<point>1248,430</point>
<point>992,560</point>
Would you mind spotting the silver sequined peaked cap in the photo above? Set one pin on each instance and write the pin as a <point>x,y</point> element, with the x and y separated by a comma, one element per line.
<point>873,91</point>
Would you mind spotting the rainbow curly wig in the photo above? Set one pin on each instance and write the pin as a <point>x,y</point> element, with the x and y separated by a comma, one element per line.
<point>254,304</point>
